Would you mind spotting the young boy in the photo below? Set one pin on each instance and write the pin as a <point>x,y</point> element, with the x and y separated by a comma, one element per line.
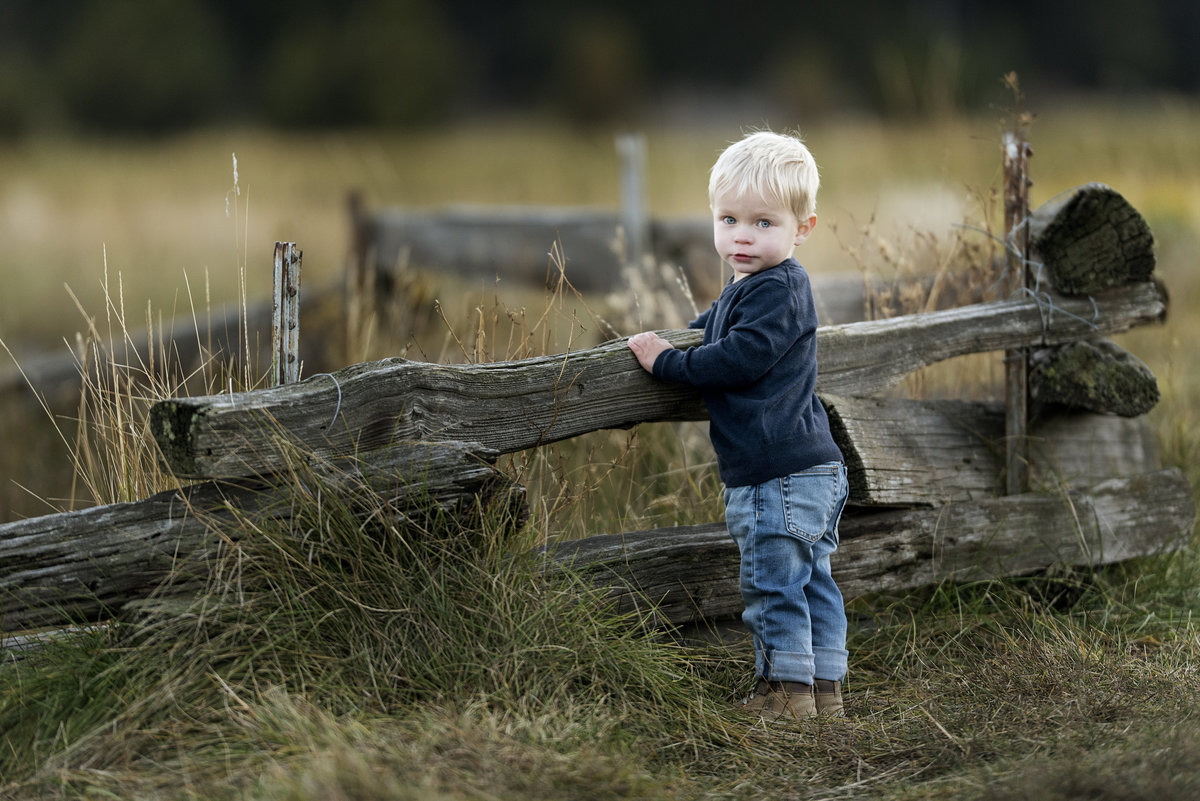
<point>785,481</point>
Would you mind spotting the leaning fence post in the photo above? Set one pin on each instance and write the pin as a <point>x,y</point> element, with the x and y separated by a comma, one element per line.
<point>285,327</point>
<point>1016,237</point>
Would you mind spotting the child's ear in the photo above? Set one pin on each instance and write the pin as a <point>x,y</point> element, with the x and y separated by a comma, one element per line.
<point>805,228</point>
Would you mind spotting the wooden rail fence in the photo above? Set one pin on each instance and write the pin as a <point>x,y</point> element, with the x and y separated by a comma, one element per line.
<point>927,476</point>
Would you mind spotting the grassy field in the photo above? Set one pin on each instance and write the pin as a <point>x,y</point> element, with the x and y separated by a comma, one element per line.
<point>423,671</point>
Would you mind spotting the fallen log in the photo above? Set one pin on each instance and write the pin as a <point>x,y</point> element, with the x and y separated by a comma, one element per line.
<point>902,452</point>
<point>1097,376</point>
<point>689,574</point>
<point>1091,239</point>
<point>512,406</point>
<point>83,566</point>
<point>16,647</point>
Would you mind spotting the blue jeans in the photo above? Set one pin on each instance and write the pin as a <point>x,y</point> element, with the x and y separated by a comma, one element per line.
<point>786,528</point>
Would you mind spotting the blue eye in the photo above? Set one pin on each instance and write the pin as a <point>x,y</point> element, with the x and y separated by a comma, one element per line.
<point>728,220</point>
<point>763,223</point>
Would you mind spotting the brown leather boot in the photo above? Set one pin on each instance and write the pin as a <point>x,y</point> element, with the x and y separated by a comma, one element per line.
<point>781,700</point>
<point>828,697</point>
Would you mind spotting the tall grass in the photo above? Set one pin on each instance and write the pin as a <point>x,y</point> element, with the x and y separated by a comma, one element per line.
<point>331,618</point>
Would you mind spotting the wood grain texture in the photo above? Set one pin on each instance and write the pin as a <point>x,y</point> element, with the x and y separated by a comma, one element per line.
<point>1090,239</point>
<point>689,574</point>
<point>902,452</point>
<point>512,406</point>
<point>84,566</point>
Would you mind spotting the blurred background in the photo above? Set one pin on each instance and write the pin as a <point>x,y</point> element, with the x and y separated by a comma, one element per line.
<point>152,66</point>
<point>153,151</point>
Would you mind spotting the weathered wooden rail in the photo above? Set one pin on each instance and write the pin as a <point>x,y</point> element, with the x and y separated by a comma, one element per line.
<point>926,476</point>
<point>689,574</point>
<point>511,406</point>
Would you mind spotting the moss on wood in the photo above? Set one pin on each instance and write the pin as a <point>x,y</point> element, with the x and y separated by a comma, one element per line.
<point>1097,376</point>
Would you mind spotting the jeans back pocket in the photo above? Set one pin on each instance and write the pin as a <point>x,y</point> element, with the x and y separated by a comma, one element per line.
<point>812,499</point>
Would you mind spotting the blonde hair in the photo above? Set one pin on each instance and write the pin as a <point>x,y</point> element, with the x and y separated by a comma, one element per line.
<point>778,167</point>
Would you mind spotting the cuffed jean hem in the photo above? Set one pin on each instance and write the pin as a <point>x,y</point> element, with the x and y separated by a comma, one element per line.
<point>823,663</point>
<point>786,666</point>
<point>830,663</point>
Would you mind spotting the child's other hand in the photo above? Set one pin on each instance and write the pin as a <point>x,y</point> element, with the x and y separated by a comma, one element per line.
<point>646,346</point>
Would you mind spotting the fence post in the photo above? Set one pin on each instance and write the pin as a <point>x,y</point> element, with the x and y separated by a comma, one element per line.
<point>1016,237</point>
<point>285,326</point>
<point>631,148</point>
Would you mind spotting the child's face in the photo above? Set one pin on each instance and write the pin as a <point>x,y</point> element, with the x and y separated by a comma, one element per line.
<point>752,234</point>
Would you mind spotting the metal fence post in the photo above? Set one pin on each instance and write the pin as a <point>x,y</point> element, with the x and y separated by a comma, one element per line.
<point>285,327</point>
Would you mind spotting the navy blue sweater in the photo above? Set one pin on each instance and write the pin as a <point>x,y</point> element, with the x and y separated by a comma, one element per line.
<point>757,370</point>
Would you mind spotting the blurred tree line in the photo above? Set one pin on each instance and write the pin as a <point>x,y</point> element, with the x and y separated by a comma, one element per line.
<point>155,65</point>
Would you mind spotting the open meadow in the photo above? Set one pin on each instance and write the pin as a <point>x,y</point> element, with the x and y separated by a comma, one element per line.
<point>461,676</point>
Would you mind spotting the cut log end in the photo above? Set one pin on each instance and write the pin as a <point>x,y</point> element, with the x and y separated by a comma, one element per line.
<point>1092,239</point>
<point>1096,376</point>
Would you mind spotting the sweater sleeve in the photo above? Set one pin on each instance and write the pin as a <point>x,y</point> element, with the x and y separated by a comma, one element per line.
<point>763,325</point>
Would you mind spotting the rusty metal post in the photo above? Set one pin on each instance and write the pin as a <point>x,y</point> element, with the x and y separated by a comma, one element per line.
<point>285,327</point>
<point>1016,362</point>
